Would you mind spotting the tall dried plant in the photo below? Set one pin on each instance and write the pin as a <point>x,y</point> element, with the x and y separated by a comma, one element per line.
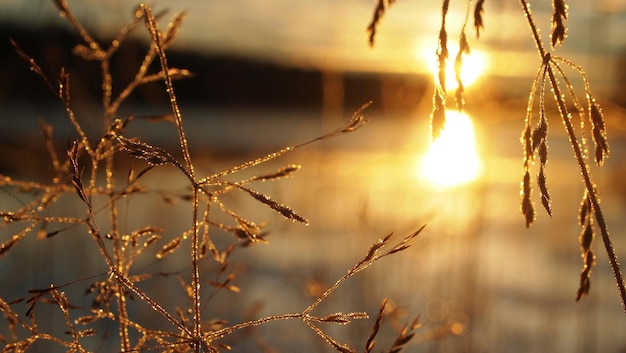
<point>534,139</point>
<point>88,171</point>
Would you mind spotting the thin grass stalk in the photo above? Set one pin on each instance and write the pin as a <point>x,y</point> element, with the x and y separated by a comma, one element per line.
<point>107,92</point>
<point>69,15</point>
<point>123,278</point>
<point>155,33</point>
<point>569,85</point>
<point>156,39</point>
<point>140,76</point>
<point>119,258</point>
<point>195,260</point>
<point>578,153</point>
<point>120,263</point>
<point>214,335</point>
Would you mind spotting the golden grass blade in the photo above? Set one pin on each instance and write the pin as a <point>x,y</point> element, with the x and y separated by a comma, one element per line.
<point>72,155</point>
<point>341,318</point>
<point>543,190</point>
<point>371,257</point>
<point>64,94</point>
<point>66,12</point>
<point>527,139</point>
<point>600,141</point>
<point>9,244</point>
<point>47,130</point>
<point>585,240</point>
<point>371,342</point>
<point>211,179</point>
<point>527,205</point>
<point>406,335</point>
<point>155,156</point>
<point>283,172</point>
<point>87,53</point>
<point>173,29</point>
<point>589,261</point>
<point>595,115</point>
<point>540,144</point>
<point>226,284</point>
<point>34,67</point>
<point>343,348</point>
<point>137,16</point>
<point>356,121</point>
<point>404,243</point>
<point>170,247</point>
<point>284,210</point>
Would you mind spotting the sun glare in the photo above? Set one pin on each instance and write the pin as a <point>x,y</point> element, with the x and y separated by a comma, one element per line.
<point>474,65</point>
<point>452,159</point>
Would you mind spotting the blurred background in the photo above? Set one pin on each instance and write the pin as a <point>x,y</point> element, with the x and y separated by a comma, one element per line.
<point>277,73</point>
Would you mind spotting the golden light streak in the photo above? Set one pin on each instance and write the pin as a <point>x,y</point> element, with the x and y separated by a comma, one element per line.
<point>452,159</point>
<point>474,65</point>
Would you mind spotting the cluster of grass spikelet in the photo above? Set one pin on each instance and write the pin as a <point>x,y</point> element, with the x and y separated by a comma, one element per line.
<point>552,71</point>
<point>87,173</point>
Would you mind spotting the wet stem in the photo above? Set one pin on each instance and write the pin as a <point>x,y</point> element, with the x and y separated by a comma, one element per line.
<point>593,196</point>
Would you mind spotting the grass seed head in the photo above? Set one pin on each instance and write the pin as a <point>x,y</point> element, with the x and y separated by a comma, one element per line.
<point>559,15</point>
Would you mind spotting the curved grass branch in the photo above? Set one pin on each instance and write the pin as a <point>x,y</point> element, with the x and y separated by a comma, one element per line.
<point>118,244</point>
<point>578,153</point>
<point>157,41</point>
<point>114,269</point>
<point>376,252</point>
<point>96,52</point>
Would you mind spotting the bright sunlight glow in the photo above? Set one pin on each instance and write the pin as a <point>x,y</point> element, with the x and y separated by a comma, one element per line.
<point>474,65</point>
<point>452,159</point>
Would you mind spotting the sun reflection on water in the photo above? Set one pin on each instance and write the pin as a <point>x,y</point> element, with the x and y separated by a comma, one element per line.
<point>452,159</point>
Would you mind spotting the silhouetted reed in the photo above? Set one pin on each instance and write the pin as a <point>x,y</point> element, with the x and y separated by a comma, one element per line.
<point>534,139</point>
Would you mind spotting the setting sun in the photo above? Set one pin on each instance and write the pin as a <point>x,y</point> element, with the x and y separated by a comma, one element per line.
<point>474,65</point>
<point>452,159</point>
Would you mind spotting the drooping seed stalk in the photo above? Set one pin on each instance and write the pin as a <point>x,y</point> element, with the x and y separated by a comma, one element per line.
<point>584,169</point>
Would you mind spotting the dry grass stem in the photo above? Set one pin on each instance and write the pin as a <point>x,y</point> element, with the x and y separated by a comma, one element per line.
<point>89,172</point>
<point>535,137</point>
<point>548,63</point>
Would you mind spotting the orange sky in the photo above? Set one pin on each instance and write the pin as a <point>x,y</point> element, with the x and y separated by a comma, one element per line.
<point>330,34</point>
